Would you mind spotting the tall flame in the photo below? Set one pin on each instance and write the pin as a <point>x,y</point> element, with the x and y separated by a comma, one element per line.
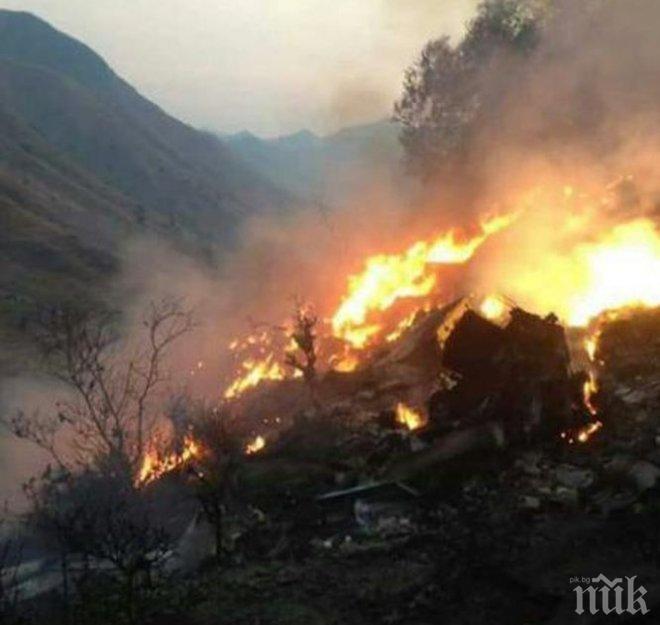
<point>578,269</point>
<point>154,465</point>
<point>591,345</point>
<point>621,270</point>
<point>387,278</point>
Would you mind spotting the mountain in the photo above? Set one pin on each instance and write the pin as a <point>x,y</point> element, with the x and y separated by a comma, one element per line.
<point>331,169</point>
<point>85,160</point>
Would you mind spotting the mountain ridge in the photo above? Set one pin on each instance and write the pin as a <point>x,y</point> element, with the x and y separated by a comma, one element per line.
<point>85,161</point>
<point>331,169</point>
<point>109,106</point>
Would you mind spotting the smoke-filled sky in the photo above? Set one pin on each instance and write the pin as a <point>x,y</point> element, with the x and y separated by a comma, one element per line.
<point>271,66</point>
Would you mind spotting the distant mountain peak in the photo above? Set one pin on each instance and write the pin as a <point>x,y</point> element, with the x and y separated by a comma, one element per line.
<point>303,135</point>
<point>26,38</point>
<point>245,136</point>
<point>86,161</point>
<point>301,139</point>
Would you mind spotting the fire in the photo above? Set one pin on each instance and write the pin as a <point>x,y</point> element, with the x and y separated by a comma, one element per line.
<point>446,250</point>
<point>155,466</point>
<point>407,416</point>
<point>579,268</point>
<point>401,327</point>
<point>349,362</point>
<point>255,371</point>
<point>387,278</point>
<point>493,307</point>
<point>622,270</point>
<point>584,434</point>
<point>589,390</point>
<point>591,345</point>
<point>256,445</point>
<point>588,431</point>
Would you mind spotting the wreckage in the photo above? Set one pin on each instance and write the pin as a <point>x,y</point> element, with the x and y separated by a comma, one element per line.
<point>377,423</point>
<point>453,385</point>
<point>457,422</point>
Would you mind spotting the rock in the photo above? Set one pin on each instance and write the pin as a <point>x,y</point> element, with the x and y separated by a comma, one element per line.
<point>565,496</point>
<point>621,391</point>
<point>519,375</point>
<point>632,398</point>
<point>529,502</point>
<point>417,444</point>
<point>528,463</point>
<point>196,545</point>
<point>474,347</point>
<point>341,408</point>
<point>644,474</point>
<point>640,473</point>
<point>475,441</point>
<point>574,477</point>
<point>654,457</point>
<point>32,578</point>
<point>608,501</point>
<point>363,514</point>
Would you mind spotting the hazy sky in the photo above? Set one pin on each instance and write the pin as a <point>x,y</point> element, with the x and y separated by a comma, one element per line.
<point>271,66</point>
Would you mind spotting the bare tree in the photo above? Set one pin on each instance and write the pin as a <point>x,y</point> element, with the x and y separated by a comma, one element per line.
<point>216,470</point>
<point>304,358</point>
<point>10,556</point>
<point>58,516</point>
<point>115,384</point>
<point>96,519</point>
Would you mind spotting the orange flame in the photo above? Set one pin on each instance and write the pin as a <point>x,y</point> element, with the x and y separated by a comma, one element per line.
<point>493,308</point>
<point>591,346</point>
<point>584,434</point>
<point>588,431</point>
<point>616,267</point>
<point>155,466</point>
<point>255,372</point>
<point>401,327</point>
<point>589,389</point>
<point>622,270</point>
<point>255,445</point>
<point>390,277</point>
<point>407,416</point>
<point>347,363</point>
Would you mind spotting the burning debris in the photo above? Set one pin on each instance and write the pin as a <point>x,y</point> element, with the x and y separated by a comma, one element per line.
<point>331,437</point>
<point>478,391</point>
<point>255,445</point>
<point>518,374</point>
<point>479,372</point>
<point>359,419</point>
<point>597,269</point>
<point>412,419</point>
